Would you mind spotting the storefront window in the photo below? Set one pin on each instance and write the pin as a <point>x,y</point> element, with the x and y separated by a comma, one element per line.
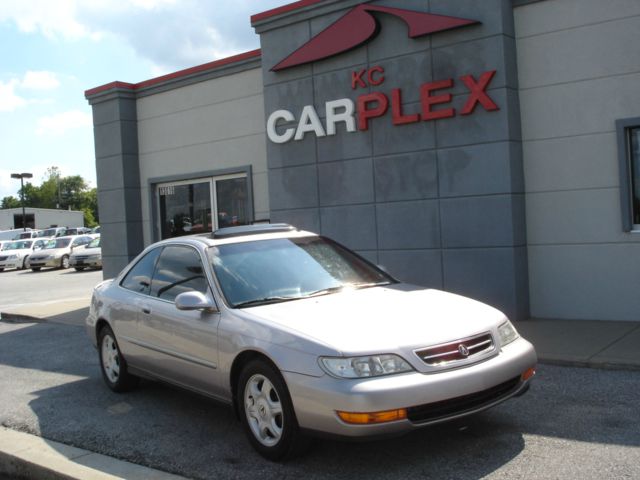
<point>634,157</point>
<point>186,207</point>
<point>232,202</point>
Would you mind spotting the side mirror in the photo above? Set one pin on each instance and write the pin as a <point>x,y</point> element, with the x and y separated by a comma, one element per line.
<point>195,301</point>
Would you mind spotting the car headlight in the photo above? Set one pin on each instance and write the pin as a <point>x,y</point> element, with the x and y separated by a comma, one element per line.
<point>12,257</point>
<point>366,366</point>
<point>507,333</point>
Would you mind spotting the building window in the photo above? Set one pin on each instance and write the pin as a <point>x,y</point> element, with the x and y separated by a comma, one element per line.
<point>628,131</point>
<point>202,205</point>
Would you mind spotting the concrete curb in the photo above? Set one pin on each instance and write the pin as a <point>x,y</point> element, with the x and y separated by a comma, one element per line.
<point>28,456</point>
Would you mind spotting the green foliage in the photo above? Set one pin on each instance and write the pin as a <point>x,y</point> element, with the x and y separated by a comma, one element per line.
<point>10,202</point>
<point>60,192</point>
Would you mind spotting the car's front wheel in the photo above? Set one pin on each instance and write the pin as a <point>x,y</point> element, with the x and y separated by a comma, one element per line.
<point>112,363</point>
<point>266,412</point>
<point>25,263</point>
<point>64,262</point>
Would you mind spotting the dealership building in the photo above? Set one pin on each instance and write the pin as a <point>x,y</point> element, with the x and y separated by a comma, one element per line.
<point>489,148</point>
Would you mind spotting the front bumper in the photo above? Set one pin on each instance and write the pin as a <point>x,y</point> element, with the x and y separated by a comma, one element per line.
<point>49,262</point>
<point>85,262</point>
<point>17,263</point>
<point>428,398</point>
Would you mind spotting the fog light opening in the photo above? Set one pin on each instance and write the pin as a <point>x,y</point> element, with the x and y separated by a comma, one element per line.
<point>368,418</point>
<point>528,374</point>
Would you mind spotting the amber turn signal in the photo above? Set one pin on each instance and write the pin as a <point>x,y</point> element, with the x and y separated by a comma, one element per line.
<point>373,417</point>
<point>528,374</point>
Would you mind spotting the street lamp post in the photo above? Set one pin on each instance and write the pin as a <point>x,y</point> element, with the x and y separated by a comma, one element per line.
<point>22,176</point>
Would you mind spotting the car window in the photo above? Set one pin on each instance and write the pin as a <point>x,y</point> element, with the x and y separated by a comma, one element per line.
<point>268,271</point>
<point>179,270</point>
<point>95,243</point>
<point>138,278</point>
<point>58,243</point>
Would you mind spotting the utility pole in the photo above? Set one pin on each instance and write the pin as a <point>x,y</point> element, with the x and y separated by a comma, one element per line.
<point>22,176</point>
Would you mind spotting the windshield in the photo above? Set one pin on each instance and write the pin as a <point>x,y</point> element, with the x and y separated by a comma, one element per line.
<point>58,243</point>
<point>95,243</point>
<point>270,271</point>
<point>49,232</point>
<point>17,245</point>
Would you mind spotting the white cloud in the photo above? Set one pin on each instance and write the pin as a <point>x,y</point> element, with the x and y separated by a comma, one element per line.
<point>170,33</point>
<point>9,100</point>
<point>60,123</point>
<point>41,80</point>
<point>52,19</point>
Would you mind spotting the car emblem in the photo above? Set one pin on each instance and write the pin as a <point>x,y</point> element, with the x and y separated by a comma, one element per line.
<point>463,350</point>
<point>358,26</point>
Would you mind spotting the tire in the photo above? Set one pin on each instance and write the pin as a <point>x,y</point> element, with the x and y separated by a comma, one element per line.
<point>25,263</point>
<point>112,364</point>
<point>1,269</point>
<point>267,414</point>
<point>64,262</point>
<point>79,269</point>
<point>35,269</point>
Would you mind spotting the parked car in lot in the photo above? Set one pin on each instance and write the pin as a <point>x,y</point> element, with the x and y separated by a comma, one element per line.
<point>51,232</point>
<point>301,335</point>
<point>57,251</point>
<point>89,256</point>
<point>74,231</point>
<point>16,254</point>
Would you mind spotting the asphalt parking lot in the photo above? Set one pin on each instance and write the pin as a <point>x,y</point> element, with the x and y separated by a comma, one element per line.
<point>49,291</point>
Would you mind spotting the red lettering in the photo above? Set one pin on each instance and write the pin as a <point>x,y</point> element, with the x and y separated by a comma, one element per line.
<point>373,81</point>
<point>396,109</point>
<point>428,100</point>
<point>478,93</point>
<point>364,113</point>
<point>356,79</point>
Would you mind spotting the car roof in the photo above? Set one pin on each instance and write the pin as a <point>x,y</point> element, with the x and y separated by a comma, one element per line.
<point>244,233</point>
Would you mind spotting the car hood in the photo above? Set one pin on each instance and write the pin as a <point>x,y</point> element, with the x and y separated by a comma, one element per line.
<point>382,319</point>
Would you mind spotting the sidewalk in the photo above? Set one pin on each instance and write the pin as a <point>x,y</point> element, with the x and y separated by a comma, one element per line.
<point>582,343</point>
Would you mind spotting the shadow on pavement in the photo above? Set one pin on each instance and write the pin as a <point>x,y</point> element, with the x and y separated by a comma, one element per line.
<point>173,430</point>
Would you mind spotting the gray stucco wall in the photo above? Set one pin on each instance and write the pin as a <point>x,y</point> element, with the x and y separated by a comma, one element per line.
<point>438,203</point>
<point>579,67</point>
<point>118,178</point>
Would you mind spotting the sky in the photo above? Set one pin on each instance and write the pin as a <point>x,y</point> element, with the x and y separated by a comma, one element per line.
<point>51,51</point>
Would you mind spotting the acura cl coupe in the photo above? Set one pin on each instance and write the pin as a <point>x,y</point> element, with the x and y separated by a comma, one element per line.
<point>302,336</point>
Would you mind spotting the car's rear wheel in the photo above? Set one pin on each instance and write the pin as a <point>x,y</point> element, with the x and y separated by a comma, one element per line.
<point>79,269</point>
<point>266,412</point>
<point>35,269</point>
<point>64,262</point>
<point>112,363</point>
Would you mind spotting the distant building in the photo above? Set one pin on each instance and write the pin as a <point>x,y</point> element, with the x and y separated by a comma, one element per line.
<point>40,218</point>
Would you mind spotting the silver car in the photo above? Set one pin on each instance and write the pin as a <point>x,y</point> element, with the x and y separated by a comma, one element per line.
<point>56,252</point>
<point>89,256</point>
<point>302,336</point>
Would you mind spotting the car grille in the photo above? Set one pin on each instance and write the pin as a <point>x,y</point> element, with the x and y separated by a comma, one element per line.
<point>447,353</point>
<point>81,258</point>
<point>2,259</point>
<point>432,412</point>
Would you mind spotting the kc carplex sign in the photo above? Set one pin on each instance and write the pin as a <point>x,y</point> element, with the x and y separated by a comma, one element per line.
<point>352,30</point>
<point>435,100</point>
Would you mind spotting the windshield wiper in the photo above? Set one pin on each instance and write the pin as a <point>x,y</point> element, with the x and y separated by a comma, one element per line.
<point>263,301</point>
<point>371,284</point>
<point>325,291</point>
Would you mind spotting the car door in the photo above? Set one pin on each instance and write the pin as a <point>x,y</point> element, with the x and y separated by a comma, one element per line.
<point>183,345</point>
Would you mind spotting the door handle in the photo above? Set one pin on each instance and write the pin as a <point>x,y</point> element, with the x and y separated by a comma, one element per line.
<point>146,310</point>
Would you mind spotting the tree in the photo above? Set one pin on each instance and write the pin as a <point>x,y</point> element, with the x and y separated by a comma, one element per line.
<point>57,191</point>
<point>10,202</point>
